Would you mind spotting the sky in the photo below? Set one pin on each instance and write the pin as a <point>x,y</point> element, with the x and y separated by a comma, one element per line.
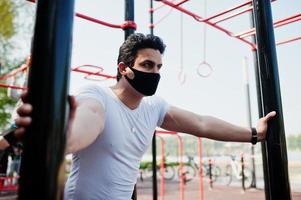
<point>222,94</point>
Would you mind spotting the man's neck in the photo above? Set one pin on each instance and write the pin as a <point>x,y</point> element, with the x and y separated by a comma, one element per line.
<point>126,95</point>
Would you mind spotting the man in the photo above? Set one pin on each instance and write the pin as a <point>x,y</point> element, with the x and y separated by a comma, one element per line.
<point>111,128</point>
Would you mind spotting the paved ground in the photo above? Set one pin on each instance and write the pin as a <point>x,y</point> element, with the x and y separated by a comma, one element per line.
<point>219,192</point>
<point>172,192</point>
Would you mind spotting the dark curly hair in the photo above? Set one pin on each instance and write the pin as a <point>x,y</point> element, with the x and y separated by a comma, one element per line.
<point>135,42</point>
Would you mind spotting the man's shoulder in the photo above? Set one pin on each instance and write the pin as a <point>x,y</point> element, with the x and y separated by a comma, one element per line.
<point>92,88</point>
<point>154,100</point>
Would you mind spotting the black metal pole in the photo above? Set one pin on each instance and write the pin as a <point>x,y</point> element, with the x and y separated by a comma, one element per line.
<point>276,155</point>
<point>154,146</point>
<point>129,16</point>
<point>44,140</point>
<point>260,109</point>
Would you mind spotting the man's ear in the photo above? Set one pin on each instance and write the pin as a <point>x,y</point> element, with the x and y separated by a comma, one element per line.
<point>122,68</point>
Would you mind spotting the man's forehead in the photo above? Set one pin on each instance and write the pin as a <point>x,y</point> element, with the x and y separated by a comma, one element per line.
<point>149,54</point>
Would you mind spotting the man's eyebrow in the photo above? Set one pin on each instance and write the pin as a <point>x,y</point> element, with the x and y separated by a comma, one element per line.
<point>149,61</point>
<point>152,63</point>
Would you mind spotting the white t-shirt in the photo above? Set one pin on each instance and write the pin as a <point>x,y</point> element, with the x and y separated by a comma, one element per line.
<point>108,168</point>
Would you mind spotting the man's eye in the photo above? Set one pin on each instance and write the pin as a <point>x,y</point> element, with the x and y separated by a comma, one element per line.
<point>147,65</point>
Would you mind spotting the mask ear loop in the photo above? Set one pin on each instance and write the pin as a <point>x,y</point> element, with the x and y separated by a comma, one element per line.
<point>204,69</point>
<point>182,74</point>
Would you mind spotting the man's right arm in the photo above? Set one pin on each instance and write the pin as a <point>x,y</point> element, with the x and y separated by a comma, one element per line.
<point>85,125</point>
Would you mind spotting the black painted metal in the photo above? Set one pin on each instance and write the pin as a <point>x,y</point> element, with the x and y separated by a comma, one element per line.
<point>129,16</point>
<point>44,141</point>
<point>260,112</point>
<point>154,145</point>
<point>276,155</point>
<point>154,168</point>
<point>242,163</point>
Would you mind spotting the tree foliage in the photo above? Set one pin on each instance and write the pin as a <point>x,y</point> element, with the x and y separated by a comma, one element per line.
<point>7,16</point>
<point>6,107</point>
<point>15,30</point>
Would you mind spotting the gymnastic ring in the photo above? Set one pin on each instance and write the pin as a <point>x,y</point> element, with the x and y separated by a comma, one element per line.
<point>202,65</point>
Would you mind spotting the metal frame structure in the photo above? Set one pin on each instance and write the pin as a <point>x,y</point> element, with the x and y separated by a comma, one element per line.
<point>268,86</point>
<point>48,84</point>
<point>44,141</point>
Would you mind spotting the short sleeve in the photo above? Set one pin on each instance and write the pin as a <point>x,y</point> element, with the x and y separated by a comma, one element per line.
<point>163,107</point>
<point>93,92</point>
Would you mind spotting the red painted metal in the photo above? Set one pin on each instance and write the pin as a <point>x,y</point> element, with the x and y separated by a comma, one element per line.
<point>8,184</point>
<point>182,2</point>
<point>162,167</point>
<point>159,7</point>
<point>282,22</point>
<point>13,73</point>
<point>200,19</point>
<point>181,166</point>
<point>201,186</point>
<point>233,15</point>
<point>180,142</point>
<point>13,86</point>
<point>92,73</point>
<point>126,24</point>
<point>228,10</point>
<point>289,40</point>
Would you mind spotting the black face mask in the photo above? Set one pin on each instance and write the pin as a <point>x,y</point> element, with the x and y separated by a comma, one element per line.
<point>144,82</point>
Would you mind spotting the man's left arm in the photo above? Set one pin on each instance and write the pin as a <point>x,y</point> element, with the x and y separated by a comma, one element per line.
<point>184,121</point>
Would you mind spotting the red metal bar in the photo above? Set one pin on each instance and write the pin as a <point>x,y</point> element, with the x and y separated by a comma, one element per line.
<point>228,10</point>
<point>162,167</point>
<point>98,21</point>
<point>162,18</point>
<point>201,187</point>
<point>233,15</point>
<point>200,19</point>
<point>181,2</point>
<point>159,7</point>
<point>277,24</point>
<point>22,68</point>
<point>232,9</point>
<point>90,73</point>
<point>13,87</point>
<point>180,142</point>
<point>181,166</point>
<point>289,40</point>
<point>127,24</point>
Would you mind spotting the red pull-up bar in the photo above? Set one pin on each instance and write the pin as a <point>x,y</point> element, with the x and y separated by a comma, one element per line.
<point>125,25</point>
<point>207,20</point>
<point>282,22</point>
<point>289,40</point>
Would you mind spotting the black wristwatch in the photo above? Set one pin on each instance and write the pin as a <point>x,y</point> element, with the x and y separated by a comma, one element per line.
<point>254,136</point>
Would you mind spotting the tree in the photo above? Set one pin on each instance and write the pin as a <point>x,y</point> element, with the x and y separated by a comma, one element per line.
<point>6,106</point>
<point>15,31</point>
